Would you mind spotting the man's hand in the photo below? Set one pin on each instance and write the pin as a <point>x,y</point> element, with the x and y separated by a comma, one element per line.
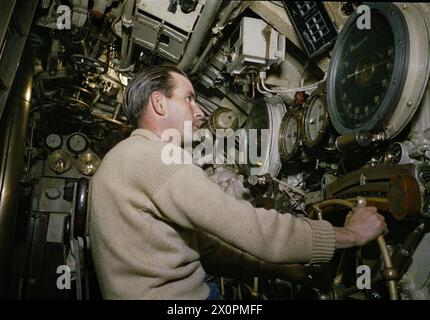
<point>362,226</point>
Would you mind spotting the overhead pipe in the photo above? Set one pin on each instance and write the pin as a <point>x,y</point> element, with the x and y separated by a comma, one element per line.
<point>228,11</point>
<point>200,32</point>
<point>127,23</point>
<point>13,132</point>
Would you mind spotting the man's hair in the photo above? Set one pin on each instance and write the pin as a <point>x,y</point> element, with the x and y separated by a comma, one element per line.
<point>143,84</point>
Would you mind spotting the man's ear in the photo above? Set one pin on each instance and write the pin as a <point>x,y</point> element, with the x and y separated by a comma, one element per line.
<point>158,103</point>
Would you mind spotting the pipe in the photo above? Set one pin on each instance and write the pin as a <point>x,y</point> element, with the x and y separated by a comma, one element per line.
<point>390,273</point>
<point>13,133</point>
<point>80,222</point>
<point>199,34</point>
<point>293,90</point>
<point>231,6</point>
<point>127,23</point>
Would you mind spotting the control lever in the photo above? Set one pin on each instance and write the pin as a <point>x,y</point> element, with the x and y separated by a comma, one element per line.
<point>389,273</point>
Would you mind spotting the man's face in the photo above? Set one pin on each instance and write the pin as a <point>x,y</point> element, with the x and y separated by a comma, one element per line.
<point>182,106</point>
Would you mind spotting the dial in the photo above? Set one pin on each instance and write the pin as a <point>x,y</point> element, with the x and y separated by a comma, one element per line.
<point>394,154</point>
<point>53,141</point>
<point>60,161</point>
<point>315,120</point>
<point>77,143</point>
<point>289,135</point>
<point>53,193</point>
<point>367,70</point>
<point>88,163</point>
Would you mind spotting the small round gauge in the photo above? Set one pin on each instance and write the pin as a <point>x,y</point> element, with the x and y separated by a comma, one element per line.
<point>77,143</point>
<point>315,120</point>
<point>60,161</point>
<point>53,141</point>
<point>88,163</point>
<point>394,154</point>
<point>289,140</point>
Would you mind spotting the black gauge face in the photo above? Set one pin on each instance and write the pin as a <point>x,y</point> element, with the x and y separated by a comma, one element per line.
<point>367,71</point>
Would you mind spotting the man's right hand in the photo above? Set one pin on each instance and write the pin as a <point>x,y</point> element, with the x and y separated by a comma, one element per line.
<point>362,226</point>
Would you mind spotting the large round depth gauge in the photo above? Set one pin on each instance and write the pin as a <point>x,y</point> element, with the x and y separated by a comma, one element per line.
<point>377,76</point>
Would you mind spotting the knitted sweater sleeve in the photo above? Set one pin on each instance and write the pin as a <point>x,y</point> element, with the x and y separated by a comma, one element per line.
<point>189,199</point>
<point>221,259</point>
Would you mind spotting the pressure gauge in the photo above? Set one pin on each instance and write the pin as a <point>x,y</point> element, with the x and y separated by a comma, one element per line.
<point>315,119</point>
<point>290,135</point>
<point>60,161</point>
<point>77,143</point>
<point>88,163</point>
<point>53,141</point>
<point>373,81</point>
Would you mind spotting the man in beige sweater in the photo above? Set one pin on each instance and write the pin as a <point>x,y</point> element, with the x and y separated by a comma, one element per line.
<point>155,226</point>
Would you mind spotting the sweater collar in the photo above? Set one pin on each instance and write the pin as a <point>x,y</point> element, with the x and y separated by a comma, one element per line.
<point>148,134</point>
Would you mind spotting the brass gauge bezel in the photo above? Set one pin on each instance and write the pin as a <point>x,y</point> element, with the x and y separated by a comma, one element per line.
<point>58,155</point>
<point>285,155</point>
<point>317,94</point>
<point>84,159</point>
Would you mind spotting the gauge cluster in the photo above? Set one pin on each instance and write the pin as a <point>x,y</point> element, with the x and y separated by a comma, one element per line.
<point>362,131</point>
<point>74,154</point>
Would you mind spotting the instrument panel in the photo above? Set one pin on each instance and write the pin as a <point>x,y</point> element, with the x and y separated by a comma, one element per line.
<point>72,158</point>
